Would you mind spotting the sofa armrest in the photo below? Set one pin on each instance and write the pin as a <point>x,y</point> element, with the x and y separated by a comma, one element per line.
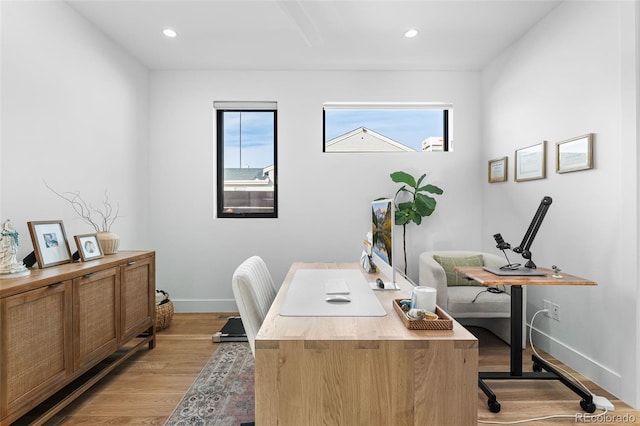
<point>431,274</point>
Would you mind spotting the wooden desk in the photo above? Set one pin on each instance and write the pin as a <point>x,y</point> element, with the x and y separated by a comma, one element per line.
<point>362,370</point>
<point>478,274</point>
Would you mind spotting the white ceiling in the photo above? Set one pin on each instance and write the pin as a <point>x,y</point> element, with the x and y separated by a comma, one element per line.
<point>315,34</point>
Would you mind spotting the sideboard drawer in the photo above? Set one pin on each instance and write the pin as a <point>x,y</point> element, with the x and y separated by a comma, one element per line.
<point>35,336</point>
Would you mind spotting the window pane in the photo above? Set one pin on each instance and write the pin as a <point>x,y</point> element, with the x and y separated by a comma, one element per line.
<point>397,129</point>
<point>246,163</point>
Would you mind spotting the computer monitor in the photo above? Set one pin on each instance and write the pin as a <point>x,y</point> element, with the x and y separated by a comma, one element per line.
<point>382,219</point>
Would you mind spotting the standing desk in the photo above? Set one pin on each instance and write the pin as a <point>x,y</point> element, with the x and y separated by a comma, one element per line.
<point>516,282</point>
<point>346,370</point>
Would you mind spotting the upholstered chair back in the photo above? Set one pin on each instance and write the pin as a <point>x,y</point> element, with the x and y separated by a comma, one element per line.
<point>254,292</point>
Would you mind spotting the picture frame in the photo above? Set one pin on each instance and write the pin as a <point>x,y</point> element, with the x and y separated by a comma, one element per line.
<point>88,247</point>
<point>498,170</point>
<point>530,162</point>
<point>50,243</point>
<point>575,154</point>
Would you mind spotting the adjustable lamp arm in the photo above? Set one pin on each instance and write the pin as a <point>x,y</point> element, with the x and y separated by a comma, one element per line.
<point>530,235</point>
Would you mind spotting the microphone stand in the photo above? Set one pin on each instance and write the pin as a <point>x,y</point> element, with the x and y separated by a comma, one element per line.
<point>502,245</point>
<point>530,235</point>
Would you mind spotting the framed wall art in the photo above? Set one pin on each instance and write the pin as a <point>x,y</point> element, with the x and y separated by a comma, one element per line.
<point>575,154</point>
<point>531,162</point>
<point>498,170</point>
<point>88,247</point>
<point>50,243</point>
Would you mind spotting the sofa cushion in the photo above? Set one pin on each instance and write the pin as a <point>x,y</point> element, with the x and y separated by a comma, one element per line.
<point>455,278</point>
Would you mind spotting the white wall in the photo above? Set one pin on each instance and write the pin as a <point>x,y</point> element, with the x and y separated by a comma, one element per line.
<point>74,113</point>
<point>323,198</point>
<point>575,73</point>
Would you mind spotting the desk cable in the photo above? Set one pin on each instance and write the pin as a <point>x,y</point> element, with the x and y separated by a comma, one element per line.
<point>583,417</point>
<point>494,290</point>
<point>552,416</point>
<point>533,348</point>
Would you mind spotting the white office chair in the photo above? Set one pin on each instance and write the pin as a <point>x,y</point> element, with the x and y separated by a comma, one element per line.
<point>254,292</point>
<point>471,305</point>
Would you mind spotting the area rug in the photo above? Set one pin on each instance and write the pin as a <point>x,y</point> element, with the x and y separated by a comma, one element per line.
<point>223,392</point>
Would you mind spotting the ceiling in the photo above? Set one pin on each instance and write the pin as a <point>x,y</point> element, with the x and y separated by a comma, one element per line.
<point>454,35</point>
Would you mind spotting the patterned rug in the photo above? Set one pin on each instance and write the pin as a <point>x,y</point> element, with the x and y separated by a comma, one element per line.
<point>223,393</point>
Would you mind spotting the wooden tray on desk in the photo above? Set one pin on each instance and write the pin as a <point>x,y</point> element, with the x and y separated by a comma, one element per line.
<point>444,321</point>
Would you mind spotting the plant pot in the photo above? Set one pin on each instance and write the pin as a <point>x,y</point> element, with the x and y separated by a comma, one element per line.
<point>109,242</point>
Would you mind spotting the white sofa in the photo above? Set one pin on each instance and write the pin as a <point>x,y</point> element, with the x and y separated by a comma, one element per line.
<point>470,305</point>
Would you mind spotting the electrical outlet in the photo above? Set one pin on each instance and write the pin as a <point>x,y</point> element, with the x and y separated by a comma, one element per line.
<point>546,305</point>
<point>555,312</point>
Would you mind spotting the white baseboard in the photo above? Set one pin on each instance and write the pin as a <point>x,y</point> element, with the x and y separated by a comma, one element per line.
<point>603,376</point>
<point>204,305</point>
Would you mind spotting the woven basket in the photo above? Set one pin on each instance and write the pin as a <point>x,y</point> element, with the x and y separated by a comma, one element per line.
<point>164,315</point>
<point>444,321</point>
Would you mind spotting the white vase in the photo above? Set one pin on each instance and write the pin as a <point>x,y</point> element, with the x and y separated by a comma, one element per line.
<point>109,242</point>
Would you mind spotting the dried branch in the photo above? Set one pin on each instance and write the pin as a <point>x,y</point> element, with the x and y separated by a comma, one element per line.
<point>107,214</point>
<point>84,210</point>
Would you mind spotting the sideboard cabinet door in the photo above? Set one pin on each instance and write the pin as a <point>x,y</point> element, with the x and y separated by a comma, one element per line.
<point>35,341</point>
<point>138,297</point>
<point>96,333</point>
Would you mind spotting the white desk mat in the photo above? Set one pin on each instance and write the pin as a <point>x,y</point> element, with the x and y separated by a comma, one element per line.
<point>306,296</point>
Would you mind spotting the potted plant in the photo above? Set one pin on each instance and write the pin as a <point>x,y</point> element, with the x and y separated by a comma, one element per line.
<point>420,204</point>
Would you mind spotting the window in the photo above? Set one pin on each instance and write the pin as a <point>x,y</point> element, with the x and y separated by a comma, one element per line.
<point>387,127</point>
<point>246,159</point>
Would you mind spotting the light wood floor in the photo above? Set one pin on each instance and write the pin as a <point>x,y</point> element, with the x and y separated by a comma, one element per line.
<point>145,390</point>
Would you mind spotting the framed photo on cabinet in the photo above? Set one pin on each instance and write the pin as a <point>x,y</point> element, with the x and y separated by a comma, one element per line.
<point>531,162</point>
<point>50,243</point>
<point>88,247</point>
<point>498,170</point>
<point>575,154</point>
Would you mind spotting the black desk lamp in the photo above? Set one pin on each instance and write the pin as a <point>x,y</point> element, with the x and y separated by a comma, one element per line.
<point>529,236</point>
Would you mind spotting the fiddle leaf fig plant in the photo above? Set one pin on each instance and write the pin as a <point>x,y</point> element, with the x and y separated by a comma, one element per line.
<point>420,204</point>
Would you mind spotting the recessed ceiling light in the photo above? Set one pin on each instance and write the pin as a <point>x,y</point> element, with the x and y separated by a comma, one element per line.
<point>411,33</point>
<point>169,33</point>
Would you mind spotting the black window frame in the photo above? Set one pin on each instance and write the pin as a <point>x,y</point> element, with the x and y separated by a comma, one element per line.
<point>446,108</point>
<point>220,208</point>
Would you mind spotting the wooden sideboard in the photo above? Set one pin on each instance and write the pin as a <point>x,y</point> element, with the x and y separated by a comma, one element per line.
<point>63,328</point>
